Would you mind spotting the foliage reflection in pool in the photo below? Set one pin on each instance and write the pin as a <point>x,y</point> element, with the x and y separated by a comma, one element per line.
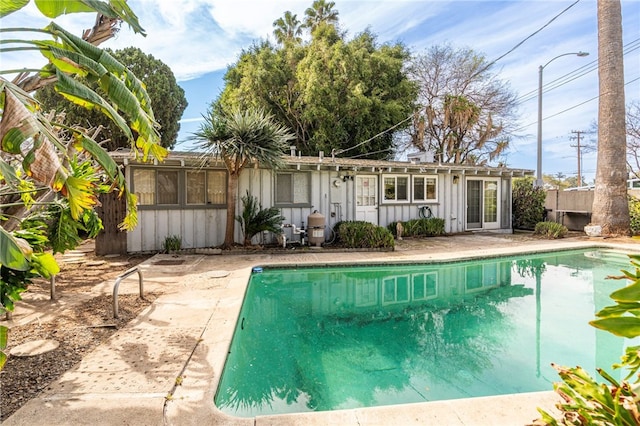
<point>326,338</point>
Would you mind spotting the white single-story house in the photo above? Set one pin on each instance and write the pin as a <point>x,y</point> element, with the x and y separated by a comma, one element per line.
<point>186,196</point>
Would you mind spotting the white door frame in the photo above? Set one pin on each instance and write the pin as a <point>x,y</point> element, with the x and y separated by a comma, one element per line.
<point>366,198</point>
<point>482,200</point>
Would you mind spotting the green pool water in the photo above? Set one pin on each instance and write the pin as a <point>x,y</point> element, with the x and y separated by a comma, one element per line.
<point>327,338</point>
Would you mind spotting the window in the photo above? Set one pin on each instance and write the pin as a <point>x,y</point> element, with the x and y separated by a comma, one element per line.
<point>206,187</point>
<point>196,187</point>
<point>425,188</point>
<point>425,286</point>
<point>396,188</point>
<point>293,189</point>
<point>167,187</point>
<point>216,187</point>
<point>395,290</point>
<point>144,184</point>
<point>179,187</point>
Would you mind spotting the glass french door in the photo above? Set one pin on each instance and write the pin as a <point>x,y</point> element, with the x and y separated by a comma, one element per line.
<point>483,203</point>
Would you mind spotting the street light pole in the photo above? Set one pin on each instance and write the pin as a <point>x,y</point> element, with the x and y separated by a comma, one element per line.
<point>539,183</point>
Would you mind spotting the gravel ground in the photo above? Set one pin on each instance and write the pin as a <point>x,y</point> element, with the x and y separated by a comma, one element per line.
<point>77,328</point>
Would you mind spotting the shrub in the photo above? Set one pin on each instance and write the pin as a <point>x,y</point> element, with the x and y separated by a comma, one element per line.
<point>358,234</point>
<point>172,243</point>
<point>393,228</point>
<point>634,215</point>
<point>430,227</point>
<point>527,203</point>
<point>255,219</point>
<point>424,227</point>
<point>551,230</point>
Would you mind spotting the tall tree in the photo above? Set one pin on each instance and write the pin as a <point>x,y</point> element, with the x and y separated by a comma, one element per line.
<point>288,29</point>
<point>333,93</point>
<point>320,12</point>
<point>167,100</point>
<point>239,138</point>
<point>610,204</point>
<point>465,111</point>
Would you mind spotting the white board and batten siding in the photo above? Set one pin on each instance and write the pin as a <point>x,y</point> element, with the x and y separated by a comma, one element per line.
<point>332,187</point>
<point>197,228</point>
<point>326,198</point>
<point>448,206</point>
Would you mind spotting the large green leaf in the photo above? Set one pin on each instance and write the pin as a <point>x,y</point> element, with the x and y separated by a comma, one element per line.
<point>12,141</point>
<point>11,253</point>
<point>55,8</point>
<point>10,6</point>
<point>105,161</point>
<point>3,336</point>
<point>120,85</point>
<point>620,326</point>
<point>628,294</point>
<point>81,95</point>
<point>45,265</point>
<point>619,310</point>
<point>112,9</point>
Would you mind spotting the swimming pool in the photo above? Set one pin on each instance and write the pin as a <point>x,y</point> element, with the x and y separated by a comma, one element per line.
<point>325,338</point>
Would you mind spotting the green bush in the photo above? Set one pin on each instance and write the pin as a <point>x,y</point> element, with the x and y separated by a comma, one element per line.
<point>172,243</point>
<point>551,230</point>
<point>393,228</point>
<point>527,203</point>
<point>430,227</point>
<point>634,215</point>
<point>358,234</point>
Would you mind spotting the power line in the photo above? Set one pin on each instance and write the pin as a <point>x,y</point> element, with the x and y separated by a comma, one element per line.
<point>490,64</point>
<point>341,151</point>
<point>575,74</point>
<point>570,108</point>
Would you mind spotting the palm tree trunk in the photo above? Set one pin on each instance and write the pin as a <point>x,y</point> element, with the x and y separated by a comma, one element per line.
<point>232,199</point>
<point>610,204</point>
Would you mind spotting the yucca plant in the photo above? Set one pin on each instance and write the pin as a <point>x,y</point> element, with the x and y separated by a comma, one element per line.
<point>240,138</point>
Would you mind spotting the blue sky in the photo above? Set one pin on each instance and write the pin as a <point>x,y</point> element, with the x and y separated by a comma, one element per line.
<point>198,39</point>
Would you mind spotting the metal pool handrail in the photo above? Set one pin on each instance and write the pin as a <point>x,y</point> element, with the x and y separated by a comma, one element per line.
<point>117,284</point>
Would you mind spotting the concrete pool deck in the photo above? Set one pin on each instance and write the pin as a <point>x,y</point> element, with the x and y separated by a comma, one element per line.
<point>164,366</point>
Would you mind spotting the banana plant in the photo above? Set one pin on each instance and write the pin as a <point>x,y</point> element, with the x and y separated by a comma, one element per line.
<point>33,155</point>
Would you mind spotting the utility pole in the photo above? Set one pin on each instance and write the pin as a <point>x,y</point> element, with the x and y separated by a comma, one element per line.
<point>577,137</point>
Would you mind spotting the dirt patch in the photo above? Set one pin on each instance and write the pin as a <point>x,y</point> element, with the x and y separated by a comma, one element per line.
<point>78,328</point>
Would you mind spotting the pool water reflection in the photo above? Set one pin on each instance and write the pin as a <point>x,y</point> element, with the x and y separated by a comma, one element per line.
<point>326,338</point>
